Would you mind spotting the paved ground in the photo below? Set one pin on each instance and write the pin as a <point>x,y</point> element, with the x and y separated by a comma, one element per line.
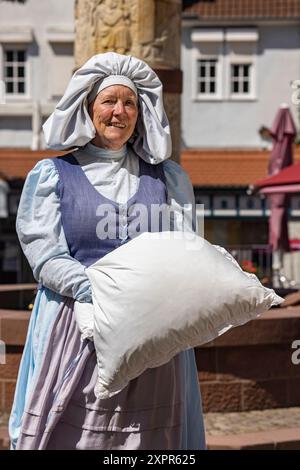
<point>224,424</point>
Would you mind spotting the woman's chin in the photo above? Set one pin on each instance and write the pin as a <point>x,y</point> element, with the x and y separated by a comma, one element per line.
<point>117,137</point>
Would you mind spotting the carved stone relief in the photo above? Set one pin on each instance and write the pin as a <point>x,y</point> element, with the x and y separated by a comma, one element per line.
<point>159,32</point>
<point>112,27</point>
<point>149,29</point>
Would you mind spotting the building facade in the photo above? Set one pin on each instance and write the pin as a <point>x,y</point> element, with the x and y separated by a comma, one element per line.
<point>36,62</point>
<point>243,60</point>
<point>241,72</point>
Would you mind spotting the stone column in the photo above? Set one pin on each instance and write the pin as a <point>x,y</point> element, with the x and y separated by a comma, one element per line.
<point>148,29</point>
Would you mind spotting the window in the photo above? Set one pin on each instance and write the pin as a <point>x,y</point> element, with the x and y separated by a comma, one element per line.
<point>295,206</point>
<point>207,63</point>
<point>224,204</point>
<point>250,204</point>
<point>207,73</point>
<point>224,63</point>
<point>14,72</point>
<point>241,53</point>
<point>240,78</point>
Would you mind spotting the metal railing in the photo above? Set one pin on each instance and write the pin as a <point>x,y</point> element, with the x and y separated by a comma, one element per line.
<point>254,258</point>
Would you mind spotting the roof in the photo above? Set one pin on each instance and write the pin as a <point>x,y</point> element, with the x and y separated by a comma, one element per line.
<point>227,167</point>
<point>242,9</point>
<point>222,167</point>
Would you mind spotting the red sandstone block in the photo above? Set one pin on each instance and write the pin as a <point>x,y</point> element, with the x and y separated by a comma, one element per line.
<point>254,362</point>
<point>13,326</point>
<point>206,364</point>
<point>206,359</point>
<point>220,396</point>
<point>289,439</point>
<point>9,391</point>
<point>2,396</point>
<point>4,439</point>
<point>276,326</point>
<point>280,439</point>
<point>206,376</point>
<point>293,391</point>
<point>9,370</point>
<point>228,378</point>
<point>265,394</point>
<point>234,337</point>
<point>238,442</point>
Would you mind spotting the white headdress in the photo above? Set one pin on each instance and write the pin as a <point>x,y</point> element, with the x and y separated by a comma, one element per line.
<point>71,126</point>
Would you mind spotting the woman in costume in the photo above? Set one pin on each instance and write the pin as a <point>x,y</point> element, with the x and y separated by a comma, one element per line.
<point>112,114</point>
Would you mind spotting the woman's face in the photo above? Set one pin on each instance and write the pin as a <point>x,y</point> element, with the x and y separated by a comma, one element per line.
<point>114,113</point>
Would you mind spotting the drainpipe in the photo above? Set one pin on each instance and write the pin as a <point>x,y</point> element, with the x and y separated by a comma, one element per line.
<point>36,125</point>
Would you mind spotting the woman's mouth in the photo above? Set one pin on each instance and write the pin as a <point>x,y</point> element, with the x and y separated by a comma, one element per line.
<point>119,125</point>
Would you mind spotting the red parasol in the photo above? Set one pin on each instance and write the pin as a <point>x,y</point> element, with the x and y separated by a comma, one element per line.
<point>285,182</point>
<point>283,133</point>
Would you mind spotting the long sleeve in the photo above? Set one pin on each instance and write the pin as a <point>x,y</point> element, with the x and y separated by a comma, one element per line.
<point>42,237</point>
<point>180,196</point>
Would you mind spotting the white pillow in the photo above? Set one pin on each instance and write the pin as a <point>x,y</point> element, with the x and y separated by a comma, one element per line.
<point>160,294</point>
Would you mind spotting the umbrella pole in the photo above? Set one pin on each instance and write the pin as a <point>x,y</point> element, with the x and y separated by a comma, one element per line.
<point>277,265</point>
<point>278,278</point>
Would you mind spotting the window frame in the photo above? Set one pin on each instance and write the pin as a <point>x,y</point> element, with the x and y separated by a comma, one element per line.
<point>240,79</point>
<point>217,95</point>
<point>230,210</point>
<point>16,97</point>
<point>250,95</point>
<point>241,36</point>
<point>207,78</point>
<point>200,38</point>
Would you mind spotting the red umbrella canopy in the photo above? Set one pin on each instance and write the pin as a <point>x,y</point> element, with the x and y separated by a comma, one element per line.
<point>286,181</point>
<point>283,133</point>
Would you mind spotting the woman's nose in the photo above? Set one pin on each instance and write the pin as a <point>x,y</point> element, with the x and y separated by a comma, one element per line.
<point>119,107</point>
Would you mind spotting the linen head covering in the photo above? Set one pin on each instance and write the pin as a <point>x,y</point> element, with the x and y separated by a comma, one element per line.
<point>71,126</point>
<point>108,81</point>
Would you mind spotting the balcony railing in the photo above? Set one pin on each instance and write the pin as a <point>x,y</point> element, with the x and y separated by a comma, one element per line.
<point>254,258</point>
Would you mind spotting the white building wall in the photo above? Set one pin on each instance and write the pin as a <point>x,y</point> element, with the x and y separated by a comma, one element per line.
<point>226,123</point>
<point>50,62</point>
